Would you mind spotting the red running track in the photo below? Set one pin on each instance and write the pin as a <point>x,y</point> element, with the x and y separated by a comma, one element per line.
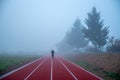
<point>47,68</point>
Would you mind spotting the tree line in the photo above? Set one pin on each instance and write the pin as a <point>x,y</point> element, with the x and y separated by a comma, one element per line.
<point>93,31</point>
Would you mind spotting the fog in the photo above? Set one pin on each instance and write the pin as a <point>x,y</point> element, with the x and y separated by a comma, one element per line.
<point>38,25</point>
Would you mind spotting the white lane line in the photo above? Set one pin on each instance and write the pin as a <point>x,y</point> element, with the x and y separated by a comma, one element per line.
<point>82,69</point>
<point>51,77</point>
<point>9,73</point>
<point>68,70</point>
<point>35,69</point>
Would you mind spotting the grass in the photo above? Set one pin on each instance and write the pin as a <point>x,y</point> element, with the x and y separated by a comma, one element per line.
<point>97,70</point>
<point>7,61</point>
<point>112,75</point>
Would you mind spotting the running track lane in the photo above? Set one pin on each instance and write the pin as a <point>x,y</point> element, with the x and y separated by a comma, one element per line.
<point>42,72</point>
<point>21,73</point>
<point>48,69</point>
<point>78,71</point>
<point>59,72</point>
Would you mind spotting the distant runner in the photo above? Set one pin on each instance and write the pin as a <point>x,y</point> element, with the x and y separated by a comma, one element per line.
<point>52,53</point>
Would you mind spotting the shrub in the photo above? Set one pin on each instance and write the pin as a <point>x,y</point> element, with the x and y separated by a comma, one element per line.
<point>113,45</point>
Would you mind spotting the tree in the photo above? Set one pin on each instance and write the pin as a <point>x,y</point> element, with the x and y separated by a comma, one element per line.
<point>63,46</point>
<point>75,36</point>
<point>95,30</point>
<point>113,45</point>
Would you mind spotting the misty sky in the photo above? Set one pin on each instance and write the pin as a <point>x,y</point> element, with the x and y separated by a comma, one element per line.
<point>37,25</point>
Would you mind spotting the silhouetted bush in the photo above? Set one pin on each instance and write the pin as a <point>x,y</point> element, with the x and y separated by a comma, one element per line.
<point>113,45</point>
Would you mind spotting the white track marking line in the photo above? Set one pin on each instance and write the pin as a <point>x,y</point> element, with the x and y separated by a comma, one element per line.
<point>35,69</point>
<point>82,69</point>
<point>9,73</point>
<point>51,77</point>
<point>68,70</point>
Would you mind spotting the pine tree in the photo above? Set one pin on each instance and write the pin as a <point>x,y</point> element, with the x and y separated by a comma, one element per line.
<point>75,37</point>
<point>95,30</point>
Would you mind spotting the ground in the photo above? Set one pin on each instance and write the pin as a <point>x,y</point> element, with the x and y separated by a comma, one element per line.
<point>11,62</point>
<point>105,65</point>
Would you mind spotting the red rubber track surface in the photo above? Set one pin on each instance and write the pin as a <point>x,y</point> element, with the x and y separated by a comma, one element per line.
<point>59,72</point>
<point>79,72</point>
<point>43,71</point>
<point>47,68</point>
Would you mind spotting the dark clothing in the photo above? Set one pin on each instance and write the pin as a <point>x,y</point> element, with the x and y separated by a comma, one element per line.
<point>52,53</point>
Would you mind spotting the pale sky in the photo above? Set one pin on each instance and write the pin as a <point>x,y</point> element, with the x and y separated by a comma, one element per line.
<point>37,25</point>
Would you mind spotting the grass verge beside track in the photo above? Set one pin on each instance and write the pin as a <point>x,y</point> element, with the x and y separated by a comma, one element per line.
<point>11,62</point>
<point>101,72</point>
